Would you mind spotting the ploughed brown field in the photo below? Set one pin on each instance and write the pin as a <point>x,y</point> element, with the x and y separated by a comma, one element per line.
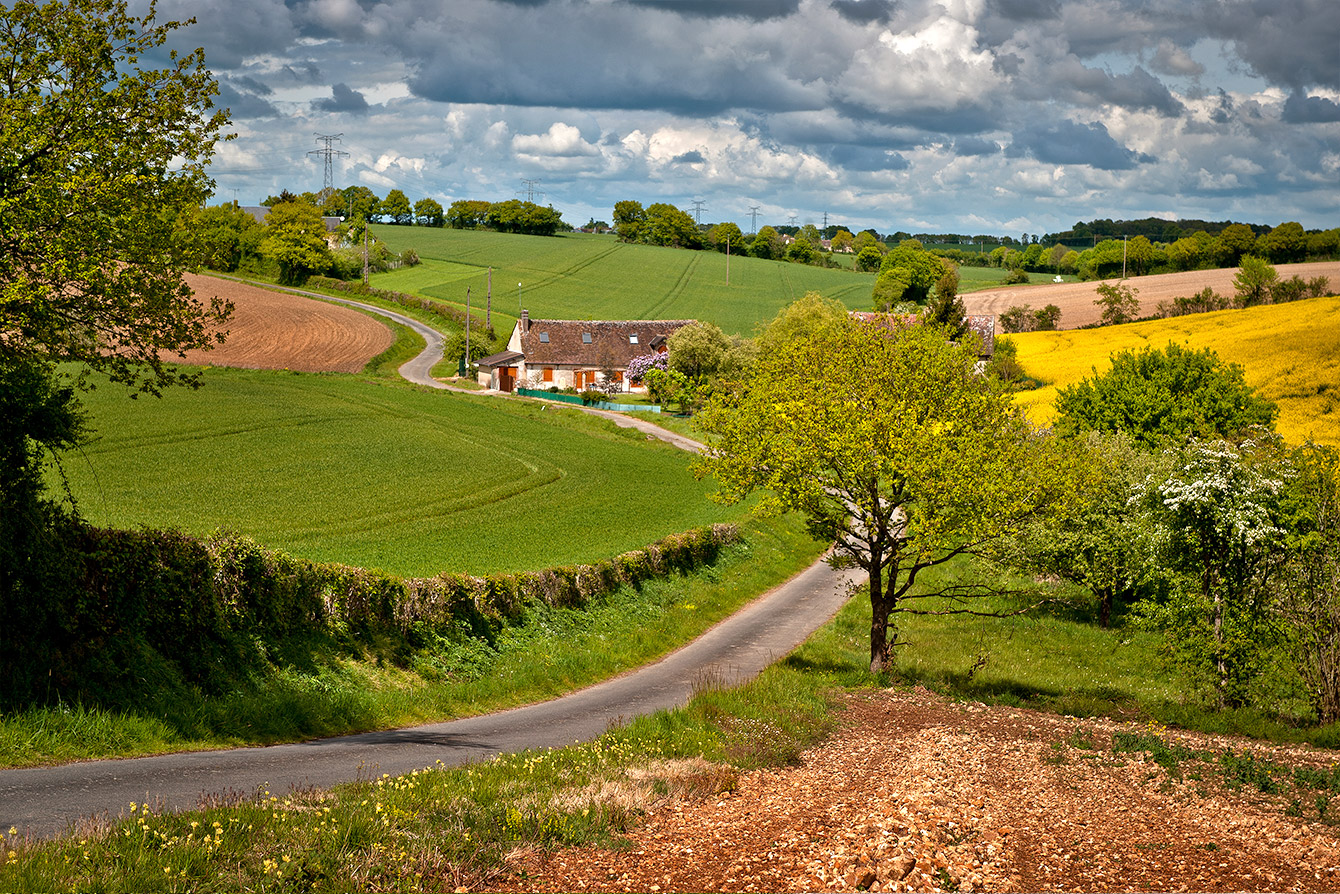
<point>1076,298</point>
<point>278,330</point>
<point>920,793</point>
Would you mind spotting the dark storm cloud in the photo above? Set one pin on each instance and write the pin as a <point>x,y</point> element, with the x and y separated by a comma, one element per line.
<point>240,97</point>
<point>251,85</point>
<point>757,10</point>
<point>865,158</point>
<point>693,157</point>
<point>1137,89</point>
<point>230,30</point>
<point>975,147</point>
<point>1292,43</point>
<point>343,100</point>
<point>1302,109</point>
<point>1025,10</point>
<point>863,12</point>
<point>303,73</point>
<point>1072,143</point>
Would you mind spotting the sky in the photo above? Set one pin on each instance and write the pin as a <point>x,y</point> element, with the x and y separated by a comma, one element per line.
<point>967,116</point>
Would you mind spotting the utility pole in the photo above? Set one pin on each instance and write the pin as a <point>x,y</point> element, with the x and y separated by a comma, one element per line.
<point>727,260</point>
<point>365,252</point>
<point>753,219</point>
<point>329,153</point>
<point>488,313</point>
<point>698,211</point>
<point>530,189</point>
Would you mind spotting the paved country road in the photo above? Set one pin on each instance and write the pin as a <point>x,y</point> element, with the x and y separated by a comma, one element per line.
<point>49,800</point>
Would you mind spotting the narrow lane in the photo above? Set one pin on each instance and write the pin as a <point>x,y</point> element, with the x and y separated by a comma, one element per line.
<point>50,800</point>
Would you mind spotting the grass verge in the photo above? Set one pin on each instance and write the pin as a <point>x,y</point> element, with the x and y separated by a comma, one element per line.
<point>441,829</point>
<point>330,687</point>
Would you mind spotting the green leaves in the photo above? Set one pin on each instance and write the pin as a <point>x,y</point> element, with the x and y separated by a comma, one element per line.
<point>98,155</point>
<point>1162,397</point>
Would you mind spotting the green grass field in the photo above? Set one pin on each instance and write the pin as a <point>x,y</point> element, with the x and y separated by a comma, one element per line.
<point>583,276</point>
<point>342,468</point>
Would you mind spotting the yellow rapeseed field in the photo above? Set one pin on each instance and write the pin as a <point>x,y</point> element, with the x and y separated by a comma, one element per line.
<point>1290,353</point>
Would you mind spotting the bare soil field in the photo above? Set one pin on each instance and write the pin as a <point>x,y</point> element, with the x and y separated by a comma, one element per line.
<point>919,793</point>
<point>1076,298</point>
<point>277,330</point>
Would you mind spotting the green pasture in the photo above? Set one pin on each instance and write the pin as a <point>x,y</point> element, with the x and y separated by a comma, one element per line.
<point>584,276</point>
<point>345,469</point>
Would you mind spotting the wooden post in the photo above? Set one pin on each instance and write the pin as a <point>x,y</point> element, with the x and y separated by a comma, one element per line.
<point>488,312</point>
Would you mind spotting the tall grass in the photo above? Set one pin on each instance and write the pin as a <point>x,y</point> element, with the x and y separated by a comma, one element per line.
<point>1290,353</point>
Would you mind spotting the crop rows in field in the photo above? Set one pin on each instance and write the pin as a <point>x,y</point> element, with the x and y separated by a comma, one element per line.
<point>581,276</point>
<point>335,468</point>
<point>1290,353</point>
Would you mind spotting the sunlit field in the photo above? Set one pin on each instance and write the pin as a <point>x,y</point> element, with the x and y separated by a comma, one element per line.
<point>1289,352</point>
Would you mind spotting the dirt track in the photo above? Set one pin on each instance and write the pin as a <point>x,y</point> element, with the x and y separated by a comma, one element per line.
<point>277,330</point>
<point>1076,298</point>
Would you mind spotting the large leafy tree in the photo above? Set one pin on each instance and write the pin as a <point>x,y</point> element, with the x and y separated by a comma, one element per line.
<point>1104,543</point>
<point>396,208</point>
<point>893,448</point>
<point>296,239</point>
<point>908,273</point>
<point>428,213</point>
<point>102,162</point>
<point>1219,515</point>
<point>1162,397</point>
<point>1308,592</point>
<point>100,154</point>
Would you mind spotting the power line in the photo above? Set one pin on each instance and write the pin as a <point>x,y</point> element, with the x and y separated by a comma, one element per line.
<point>753,218</point>
<point>530,189</point>
<point>330,154</point>
<point>698,205</point>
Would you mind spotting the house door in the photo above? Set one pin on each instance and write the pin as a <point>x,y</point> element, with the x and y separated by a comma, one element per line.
<point>506,378</point>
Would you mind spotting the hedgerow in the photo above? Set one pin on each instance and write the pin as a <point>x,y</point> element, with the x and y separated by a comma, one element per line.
<point>135,610</point>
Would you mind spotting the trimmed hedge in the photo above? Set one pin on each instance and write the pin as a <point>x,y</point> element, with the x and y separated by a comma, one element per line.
<point>404,299</point>
<point>135,610</point>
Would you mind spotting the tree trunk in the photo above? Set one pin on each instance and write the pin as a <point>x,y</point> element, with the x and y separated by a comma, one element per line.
<point>1104,608</point>
<point>879,622</point>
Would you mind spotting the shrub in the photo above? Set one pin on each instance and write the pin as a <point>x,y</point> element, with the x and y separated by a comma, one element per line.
<point>1017,276</point>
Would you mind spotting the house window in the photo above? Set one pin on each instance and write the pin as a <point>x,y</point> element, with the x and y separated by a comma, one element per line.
<point>586,338</point>
<point>544,338</point>
<point>632,339</point>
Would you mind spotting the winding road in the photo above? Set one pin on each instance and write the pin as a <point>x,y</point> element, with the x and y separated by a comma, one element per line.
<point>48,801</point>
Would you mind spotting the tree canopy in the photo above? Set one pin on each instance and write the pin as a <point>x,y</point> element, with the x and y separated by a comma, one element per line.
<point>889,443</point>
<point>1161,397</point>
<point>907,273</point>
<point>99,155</point>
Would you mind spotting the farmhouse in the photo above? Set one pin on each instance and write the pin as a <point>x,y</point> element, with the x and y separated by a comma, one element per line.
<point>573,353</point>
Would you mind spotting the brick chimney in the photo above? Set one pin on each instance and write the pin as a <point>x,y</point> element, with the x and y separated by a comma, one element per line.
<point>525,321</point>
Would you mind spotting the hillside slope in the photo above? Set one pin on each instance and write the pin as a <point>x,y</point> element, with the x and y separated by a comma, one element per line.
<point>1289,352</point>
<point>1076,298</point>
